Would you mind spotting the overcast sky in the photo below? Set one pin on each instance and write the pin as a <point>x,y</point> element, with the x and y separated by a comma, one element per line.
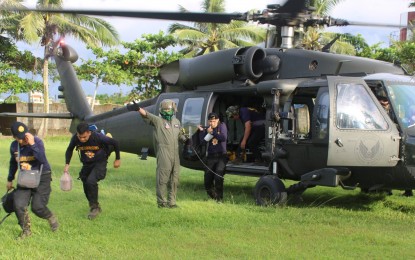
<point>373,11</point>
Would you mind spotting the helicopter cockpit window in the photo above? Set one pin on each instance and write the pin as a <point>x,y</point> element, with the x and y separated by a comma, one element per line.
<point>402,98</point>
<point>192,112</point>
<point>356,109</point>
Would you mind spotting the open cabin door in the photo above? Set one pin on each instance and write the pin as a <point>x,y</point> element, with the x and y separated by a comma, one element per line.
<point>192,110</point>
<point>361,132</point>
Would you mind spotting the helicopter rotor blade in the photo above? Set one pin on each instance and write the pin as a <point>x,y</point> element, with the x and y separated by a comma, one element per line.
<point>289,10</point>
<point>374,24</point>
<point>178,16</point>
<point>330,21</point>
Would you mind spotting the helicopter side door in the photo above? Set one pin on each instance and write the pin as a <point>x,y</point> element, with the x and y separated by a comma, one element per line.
<point>361,132</point>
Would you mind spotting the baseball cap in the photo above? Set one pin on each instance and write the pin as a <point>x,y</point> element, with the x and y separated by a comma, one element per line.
<point>19,130</point>
<point>213,115</point>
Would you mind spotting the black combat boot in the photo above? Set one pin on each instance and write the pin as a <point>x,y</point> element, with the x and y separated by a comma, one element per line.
<point>94,211</point>
<point>53,223</point>
<point>211,193</point>
<point>26,231</point>
<point>408,193</point>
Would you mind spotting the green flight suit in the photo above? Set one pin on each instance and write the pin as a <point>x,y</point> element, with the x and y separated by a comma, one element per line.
<point>166,136</point>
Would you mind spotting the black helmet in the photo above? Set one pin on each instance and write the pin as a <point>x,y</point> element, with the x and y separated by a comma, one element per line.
<point>7,201</point>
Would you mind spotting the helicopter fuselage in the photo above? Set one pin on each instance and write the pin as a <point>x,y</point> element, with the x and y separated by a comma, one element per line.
<point>324,124</point>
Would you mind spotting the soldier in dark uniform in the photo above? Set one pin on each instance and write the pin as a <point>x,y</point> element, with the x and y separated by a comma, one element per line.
<point>167,133</point>
<point>254,129</point>
<point>29,151</point>
<point>94,157</point>
<point>216,137</point>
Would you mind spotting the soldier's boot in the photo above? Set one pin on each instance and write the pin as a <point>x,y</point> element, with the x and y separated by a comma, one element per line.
<point>211,193</point>
<point>408,193</point>
<point>53,223</point>
<point>26,231</point>
<point>94,211</point>
<point>219,197</point>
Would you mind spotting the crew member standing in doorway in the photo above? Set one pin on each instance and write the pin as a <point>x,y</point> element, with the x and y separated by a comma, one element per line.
<point>216,136</point>
<point>254,130</point>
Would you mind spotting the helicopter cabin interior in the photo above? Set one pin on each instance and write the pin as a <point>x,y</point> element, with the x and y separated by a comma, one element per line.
<point>303,129</point>
<point>193,111</point>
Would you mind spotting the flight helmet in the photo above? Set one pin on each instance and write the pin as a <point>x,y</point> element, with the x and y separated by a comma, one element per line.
<point>167,109</point>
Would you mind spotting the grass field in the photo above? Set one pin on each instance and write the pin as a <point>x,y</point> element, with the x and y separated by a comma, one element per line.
<point>330,224</point>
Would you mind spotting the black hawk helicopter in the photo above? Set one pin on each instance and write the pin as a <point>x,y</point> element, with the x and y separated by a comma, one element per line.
<point>324,124</point>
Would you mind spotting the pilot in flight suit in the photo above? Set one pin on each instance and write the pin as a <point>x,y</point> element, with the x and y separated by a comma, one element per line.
<point>167,133</point>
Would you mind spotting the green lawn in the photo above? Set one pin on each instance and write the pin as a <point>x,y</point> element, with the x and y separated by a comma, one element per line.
<point>329,224</point>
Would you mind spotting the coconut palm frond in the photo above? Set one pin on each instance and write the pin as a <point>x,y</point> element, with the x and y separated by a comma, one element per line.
<point>209,37</point>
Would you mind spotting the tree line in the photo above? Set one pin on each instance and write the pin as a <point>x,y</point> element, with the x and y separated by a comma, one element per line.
<point>137,63</point>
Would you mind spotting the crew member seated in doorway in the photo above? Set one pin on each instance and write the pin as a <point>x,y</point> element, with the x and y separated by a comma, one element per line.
<point>254,130</point>
<point>385,104</point>
<point>216,136</point>
<point>384,101</point>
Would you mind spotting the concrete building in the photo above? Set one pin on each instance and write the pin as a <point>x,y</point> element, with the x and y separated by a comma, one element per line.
<point>408,25</point>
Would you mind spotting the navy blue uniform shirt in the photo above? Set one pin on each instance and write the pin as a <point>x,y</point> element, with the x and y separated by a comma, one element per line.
<point>218,143</point>
<point>251,114</point>
<point>92,150</point>
<point>31,154</point>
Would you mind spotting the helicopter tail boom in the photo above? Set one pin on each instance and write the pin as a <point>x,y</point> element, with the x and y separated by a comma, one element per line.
<point>73,94</point>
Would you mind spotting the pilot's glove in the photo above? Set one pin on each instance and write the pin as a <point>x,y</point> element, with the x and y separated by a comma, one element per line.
<point>183,137</point>
<point>133,107</point>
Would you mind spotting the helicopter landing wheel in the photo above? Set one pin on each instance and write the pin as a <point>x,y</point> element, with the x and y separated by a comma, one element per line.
<point>269,190</point>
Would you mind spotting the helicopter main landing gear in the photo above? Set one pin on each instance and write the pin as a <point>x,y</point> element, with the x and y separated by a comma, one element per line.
<point>269,190</point>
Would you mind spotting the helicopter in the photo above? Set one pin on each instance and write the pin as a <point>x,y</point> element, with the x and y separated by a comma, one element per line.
<point>324,123</point>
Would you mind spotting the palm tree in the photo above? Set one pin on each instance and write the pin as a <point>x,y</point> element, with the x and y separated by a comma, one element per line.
<point>9,21</point>
<point>209,37</point>
<point>315,39</point>
<point>324,7</point>
<point>32,27</point>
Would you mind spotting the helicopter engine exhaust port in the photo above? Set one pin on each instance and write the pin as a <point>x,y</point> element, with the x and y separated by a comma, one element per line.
<point>248,62</point>
<point>270,190</point>
<point>216,67</point>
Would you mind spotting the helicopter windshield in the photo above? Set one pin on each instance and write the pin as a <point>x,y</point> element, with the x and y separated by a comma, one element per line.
<point>402,99</point>
<point>356,109</point>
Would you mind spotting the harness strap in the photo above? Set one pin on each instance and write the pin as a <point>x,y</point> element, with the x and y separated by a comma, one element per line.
<point>8,214</point>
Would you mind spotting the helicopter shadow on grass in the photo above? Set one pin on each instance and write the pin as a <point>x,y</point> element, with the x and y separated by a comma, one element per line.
<point>357,202</point>
<point>242,193</point>
<point>235,193</point>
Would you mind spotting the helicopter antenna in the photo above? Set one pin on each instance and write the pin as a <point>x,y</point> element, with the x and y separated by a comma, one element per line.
<point>339,66</point>
<point>327,47</point>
